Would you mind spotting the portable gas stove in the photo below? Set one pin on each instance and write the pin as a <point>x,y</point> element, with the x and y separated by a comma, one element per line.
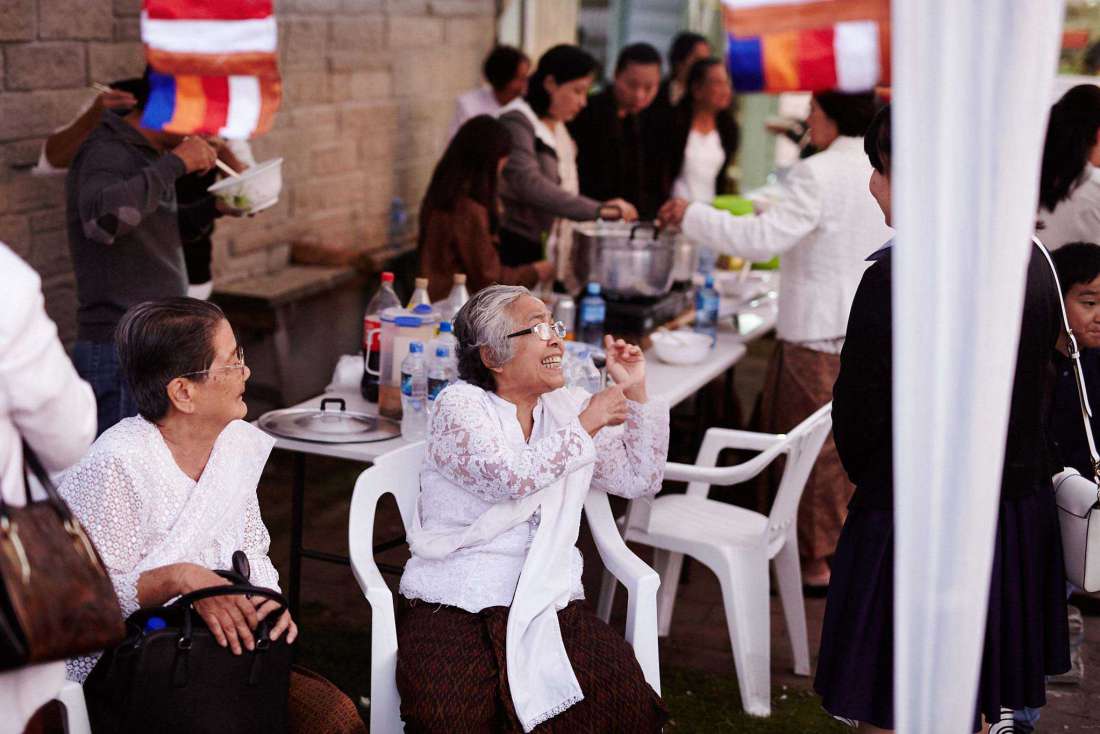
<point>636,318</point>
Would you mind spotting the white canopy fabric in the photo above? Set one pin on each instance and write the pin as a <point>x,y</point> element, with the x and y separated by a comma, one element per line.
<point>972,85</point>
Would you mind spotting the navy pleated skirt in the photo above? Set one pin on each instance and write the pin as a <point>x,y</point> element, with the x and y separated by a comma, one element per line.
<point>1026,630</point>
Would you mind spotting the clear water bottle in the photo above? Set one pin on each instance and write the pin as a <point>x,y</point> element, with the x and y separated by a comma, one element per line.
<point>440,374</point>
<point>587,375</point>
<point>590,316</point>
<point>446,339</point>
<point>420,294</point>
<point>565,311</point>
<point>399,222</point>
<point>706,310</point>
<point>458,296</point>
<point>414,393</point>
<point>372,336</point>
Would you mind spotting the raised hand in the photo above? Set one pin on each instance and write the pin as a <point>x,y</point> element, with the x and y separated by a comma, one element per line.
<point>626,365</point>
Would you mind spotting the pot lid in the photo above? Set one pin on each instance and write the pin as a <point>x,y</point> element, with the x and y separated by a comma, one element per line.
<point>331,423</point>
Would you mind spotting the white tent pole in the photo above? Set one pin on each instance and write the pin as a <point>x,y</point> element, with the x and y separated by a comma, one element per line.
<point>972,82</point>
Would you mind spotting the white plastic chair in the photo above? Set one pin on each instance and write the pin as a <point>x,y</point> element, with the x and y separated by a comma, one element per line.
<point>71,696</point>
<point>736,544</point>
<point>398,474</point>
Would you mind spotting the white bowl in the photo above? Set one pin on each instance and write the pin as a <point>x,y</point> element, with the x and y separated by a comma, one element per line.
<point>681,347</point>
<point>256,189</point>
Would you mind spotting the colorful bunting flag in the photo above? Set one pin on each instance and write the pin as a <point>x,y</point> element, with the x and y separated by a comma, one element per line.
<point>215,66</point>
<point>791,45</point>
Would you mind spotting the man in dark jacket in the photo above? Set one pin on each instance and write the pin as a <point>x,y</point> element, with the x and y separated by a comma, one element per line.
<point>615,156</point>
<point>122,220</point>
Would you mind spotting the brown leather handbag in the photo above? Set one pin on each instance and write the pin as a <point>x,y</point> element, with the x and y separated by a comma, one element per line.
<point>56,600</point>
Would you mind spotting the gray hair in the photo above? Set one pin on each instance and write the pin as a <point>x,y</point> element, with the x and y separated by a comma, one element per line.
<point>483,322</point>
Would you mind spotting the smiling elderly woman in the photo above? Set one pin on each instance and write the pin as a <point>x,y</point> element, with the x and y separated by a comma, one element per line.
<point>494,636</point>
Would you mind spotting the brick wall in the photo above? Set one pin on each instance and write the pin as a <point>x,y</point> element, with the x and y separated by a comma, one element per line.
<point>368,90</point>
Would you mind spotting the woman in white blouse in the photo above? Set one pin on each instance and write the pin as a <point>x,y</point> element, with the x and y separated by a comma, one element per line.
<point>1069,185</point>
<point>824,228</point>
<point>493,636</point>
<point>168,495</point>
<point>703,135</point>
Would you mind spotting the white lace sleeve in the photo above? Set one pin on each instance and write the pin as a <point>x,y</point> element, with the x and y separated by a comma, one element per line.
<point>257,541</point>
<point>632,457</point>
<point>468,447</point>
<point>103,496</point>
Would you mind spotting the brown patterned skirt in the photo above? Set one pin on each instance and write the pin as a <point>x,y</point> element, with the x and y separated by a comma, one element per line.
<point>798,382</point>
<point>451,674</point>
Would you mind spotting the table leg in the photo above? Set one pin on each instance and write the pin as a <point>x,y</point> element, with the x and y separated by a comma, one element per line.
<point>297,497</point>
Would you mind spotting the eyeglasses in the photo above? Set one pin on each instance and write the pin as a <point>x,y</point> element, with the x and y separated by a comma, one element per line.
<point>238,365</point>
<point>542,330</point>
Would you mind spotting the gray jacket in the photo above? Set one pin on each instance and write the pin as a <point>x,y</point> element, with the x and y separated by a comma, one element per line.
<point>531,187</point>
<point>123,226</point>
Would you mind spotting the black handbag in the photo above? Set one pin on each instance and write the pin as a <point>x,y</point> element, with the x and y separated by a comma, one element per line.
<point>170,675</point>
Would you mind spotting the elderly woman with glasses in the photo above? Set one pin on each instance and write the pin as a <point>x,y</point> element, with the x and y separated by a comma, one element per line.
<point>168,495</point>
<point>492,633</point>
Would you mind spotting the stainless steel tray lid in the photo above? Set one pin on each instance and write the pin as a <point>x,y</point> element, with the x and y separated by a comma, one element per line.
<point>633,234</point>
<point>329,424</point>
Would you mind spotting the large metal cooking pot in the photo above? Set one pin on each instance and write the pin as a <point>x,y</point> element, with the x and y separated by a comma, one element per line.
<point>627,260</point>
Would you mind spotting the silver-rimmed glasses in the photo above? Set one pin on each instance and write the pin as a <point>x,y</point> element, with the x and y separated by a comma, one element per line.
<point>542,330</point>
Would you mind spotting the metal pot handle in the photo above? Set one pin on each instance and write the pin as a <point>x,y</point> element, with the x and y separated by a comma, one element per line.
<point>339,401</point>
<point>645,225</point>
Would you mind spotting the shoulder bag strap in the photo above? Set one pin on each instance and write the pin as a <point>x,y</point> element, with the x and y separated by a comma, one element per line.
<point>1078,374</point>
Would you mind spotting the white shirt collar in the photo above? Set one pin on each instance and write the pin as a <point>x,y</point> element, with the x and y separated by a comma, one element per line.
<point>542,131</point>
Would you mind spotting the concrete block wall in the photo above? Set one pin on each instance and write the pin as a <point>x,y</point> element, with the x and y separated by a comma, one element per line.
<point>368,91</point>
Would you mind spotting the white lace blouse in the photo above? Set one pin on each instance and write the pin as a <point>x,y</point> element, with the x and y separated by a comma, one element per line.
<point>142,511</point>
<point>476,456</point>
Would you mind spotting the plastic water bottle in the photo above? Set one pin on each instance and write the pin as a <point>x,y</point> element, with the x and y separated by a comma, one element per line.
<point>419,295</point>
<point>590,316</point>
<point>445,338</point>
<point>587,375</point>
<point>414,393</point>
<point>706,310</point>
<point>458,296</point>
<point>440,374</point>
<point>399,222</point>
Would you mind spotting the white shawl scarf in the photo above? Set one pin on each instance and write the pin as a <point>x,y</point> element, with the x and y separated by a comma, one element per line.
<point>241,452</point>
<point>539,673</point>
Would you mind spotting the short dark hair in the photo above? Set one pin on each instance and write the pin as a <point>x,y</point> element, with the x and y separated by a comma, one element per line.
<point>682,46</point>
<point>637,53</point>
<point>501,65</point>
<point>1077,262</point>
<point>137,86</point>
<point>877,143</point>
<point>565,62</point>
<point>159,341</point>
<point>852,112</point>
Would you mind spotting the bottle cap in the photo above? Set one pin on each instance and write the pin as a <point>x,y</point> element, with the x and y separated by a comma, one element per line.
<point>460,278</point>
<point>594,288</point>
<point>415,348</point>
<point>155,623</point>
<point>387,277</point>
<point>422,308</point>
<point>442,352</point>
<point>445,327</point>
<point>421,282</point>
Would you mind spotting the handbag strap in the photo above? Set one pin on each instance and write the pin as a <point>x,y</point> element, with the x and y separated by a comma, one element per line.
<point>32,466</point>
<point>1078,373</point>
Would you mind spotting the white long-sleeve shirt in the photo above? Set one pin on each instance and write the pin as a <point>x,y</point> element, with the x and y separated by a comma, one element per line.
<point>43,401</point>
<point>477,456</point>
<point>1077,219</point>
<point>825,226</point>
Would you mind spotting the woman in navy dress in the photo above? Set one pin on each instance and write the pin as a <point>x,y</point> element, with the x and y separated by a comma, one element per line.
<point>1026,636</point>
